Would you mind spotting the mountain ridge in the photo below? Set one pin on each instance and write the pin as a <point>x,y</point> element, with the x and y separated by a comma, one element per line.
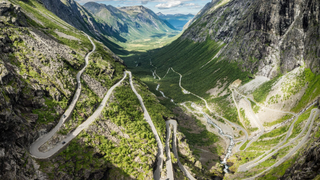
<point>253,25</point>
<point>130,22</point>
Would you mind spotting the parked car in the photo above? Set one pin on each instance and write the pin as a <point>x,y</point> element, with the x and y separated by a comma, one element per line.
<point>63,142</point>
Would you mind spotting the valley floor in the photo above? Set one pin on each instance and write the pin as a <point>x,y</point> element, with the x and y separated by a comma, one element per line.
<point>265,135</point>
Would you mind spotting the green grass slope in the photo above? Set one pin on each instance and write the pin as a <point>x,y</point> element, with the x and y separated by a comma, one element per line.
<point>195,61</point>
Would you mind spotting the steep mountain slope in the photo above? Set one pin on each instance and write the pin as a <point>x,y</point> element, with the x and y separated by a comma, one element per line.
<point>201,12</point>
<point>40,57</point>
<point>259,38</point>
<point>253,63</point>
<point>74,14</point>
<point>177,20</point>
<point>131,22</point>
<point>276,36</point>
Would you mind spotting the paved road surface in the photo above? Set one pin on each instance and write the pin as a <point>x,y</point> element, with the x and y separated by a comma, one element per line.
<point>34,148</point>
<point>233,124</point>
<point>268,154</point>
<point>237,149</point>
<point>157,173</point>
<point>169,162</point>
<point>175,152</point>
<point>314,114</point>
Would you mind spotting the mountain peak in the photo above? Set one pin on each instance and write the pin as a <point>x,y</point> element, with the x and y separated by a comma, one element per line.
<point>133,8</point>
<point>160,14</point>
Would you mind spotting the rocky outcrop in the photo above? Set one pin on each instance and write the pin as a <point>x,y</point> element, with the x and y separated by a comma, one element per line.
<point>17,101</point>
<point>306,166</point>
<point>37,78</point>
<point>94,85</point>
<point>201,13</point>
<point>28,60</point>
<point>11,14</point>
<point>266,37</point>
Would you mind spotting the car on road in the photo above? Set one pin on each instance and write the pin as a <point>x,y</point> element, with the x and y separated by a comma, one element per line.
<point>63,142</point>
<point>64,116</point>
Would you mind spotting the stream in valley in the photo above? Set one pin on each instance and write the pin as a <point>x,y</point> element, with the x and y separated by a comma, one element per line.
<point>209,121</point>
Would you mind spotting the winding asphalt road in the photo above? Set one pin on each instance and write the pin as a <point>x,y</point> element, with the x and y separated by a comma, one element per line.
<point>174,146</point>
<point>229,151</point>
<point>169,161</point>
<point>157,172</point>
<point>275,149</point>
<point>237,149</point>
<point>314,113</point>
<point>269,153</point>
<point>34,148</point>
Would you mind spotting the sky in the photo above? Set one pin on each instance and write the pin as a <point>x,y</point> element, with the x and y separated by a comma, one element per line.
<point>163,6</point>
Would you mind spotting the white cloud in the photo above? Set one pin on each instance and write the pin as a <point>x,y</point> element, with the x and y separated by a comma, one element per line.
<point>190,4</point>
<point>169,4</point>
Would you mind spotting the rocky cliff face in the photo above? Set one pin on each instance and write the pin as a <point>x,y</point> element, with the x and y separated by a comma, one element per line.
<point>265,37</point>
<point>306,166</point>
<point>74,14</point>
<point>201,13</point>
<point>20,95</point>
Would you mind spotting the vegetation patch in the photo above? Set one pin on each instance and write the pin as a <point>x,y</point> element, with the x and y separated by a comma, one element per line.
<point>312,91</point>
<point>261,93</point>
<point>204,138</point>
<point>282,119</point>
<point>298,124</point>
<point>48,113</point>
<point>190,59</point>
<point>244,145</point>
<point>277,172</point>
<point>223,106</point>
<point>276,132</point>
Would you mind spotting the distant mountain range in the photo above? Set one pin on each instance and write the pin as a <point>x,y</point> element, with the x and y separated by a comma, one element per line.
<point>109,24</point>
<point>177,20</point>
<point>129,22</point>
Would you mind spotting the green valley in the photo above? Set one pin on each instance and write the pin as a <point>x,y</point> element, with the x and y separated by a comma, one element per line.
<point>112,90</point>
